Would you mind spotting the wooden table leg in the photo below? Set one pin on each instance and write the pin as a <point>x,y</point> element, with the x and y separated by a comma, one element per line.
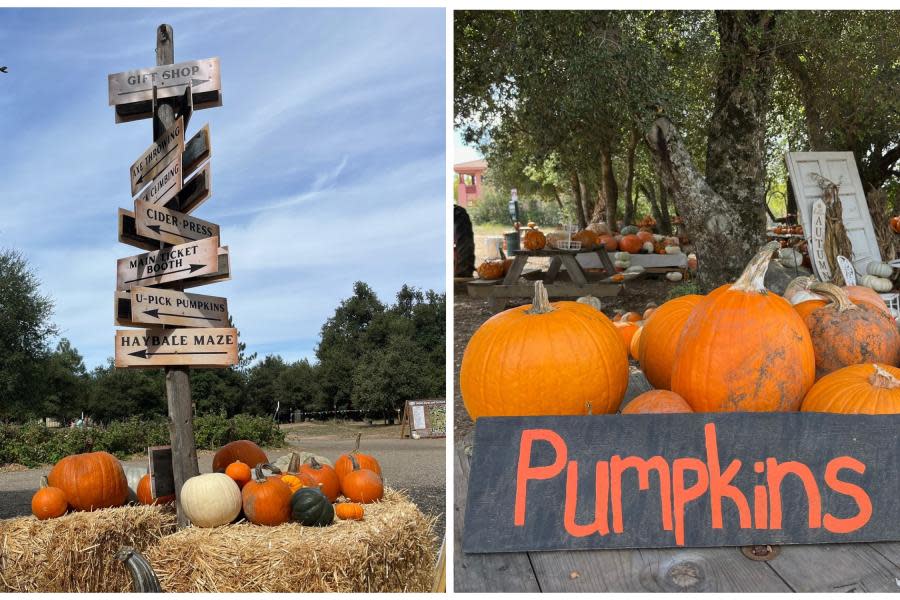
<point>604,260</point>
<point>515,270</point>
<point>553,271</point>
<point>574,269</point>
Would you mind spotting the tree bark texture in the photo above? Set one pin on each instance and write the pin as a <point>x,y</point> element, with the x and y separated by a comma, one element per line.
<point>610,188</point>
<point>579,206</point>
<point>629,178</point>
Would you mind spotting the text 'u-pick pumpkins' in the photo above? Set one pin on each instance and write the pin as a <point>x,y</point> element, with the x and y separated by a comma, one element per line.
<point>744,348</point>
<point>564,358</point>
<point>90,481</point>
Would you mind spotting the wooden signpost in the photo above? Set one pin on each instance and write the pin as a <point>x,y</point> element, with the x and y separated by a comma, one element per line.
<point>187,330</point>
<point>681,480</point>
<point>424,419</point>
<point>817,241</point>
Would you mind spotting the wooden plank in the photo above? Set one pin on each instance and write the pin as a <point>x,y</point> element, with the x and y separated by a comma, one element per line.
<point>143,348</point>
<point>222,273</point>
<point>546,252</point>
<point>889,550</point>
<point>483,572</point>
<point>131,92</point>
<point>166,185</point>
<point>515,269</point>
<point>196,151</point>
<point>170,226</point>
<point>555,290</point>
<point>553,270</point>
<point>195,191</point>
<point>144,306</point>
<point>183,261</point>
<point>836,568</point>
<point>573,269</point>
<point>163,150</point>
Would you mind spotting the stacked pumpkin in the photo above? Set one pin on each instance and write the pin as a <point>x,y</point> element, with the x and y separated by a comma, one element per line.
<point>88,481</point>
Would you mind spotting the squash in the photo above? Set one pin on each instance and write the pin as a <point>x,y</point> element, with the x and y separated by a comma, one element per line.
<point>659,342</point>
<point>587,238</point>
<point>210,500</point>
<point>145,495</point>
<point>622,256</point>
<point>362,485</point>
<point>879,284</point>
<point>674,276</point>
<point>645,236</point>
<point>790,257</point>
<point>629,230</point>
<point>295,476</point>
<point>324,477</point>
<point>345,463</point>
<point>310,507</point>
<point>533,240</point>
<point>608,242</point>
<point>858,293</point>
<point>48,502</point>
<point>133,476</point>
<point>243,450</point>
<point>491,269</point>
<point>266,500</point>
<point>622,264</point>
<point>90,481</point>
<point>508,368</point>
<point>844,333</point>
<point>867,389</point>
<point>657,402</point>
<point>617,278</point>
<point>635,343</point>
<point>349,511</point>
<point>672,250</point>
<point>879,269</point>
<point>239,472</point>
<point>895,224</point>
<point>591,301</point>
<point>631,244</point>
<point>762,361</point>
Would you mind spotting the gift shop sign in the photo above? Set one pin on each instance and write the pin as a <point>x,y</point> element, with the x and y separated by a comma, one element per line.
<point>633,481</point>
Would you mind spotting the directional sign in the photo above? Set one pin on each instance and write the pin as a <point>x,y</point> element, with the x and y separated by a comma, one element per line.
<point>166,184</point>
<point>172,264</point>
<point>164,150</point>
<point>196,150</point>
<point>170,81</point>
<point>215,347</point>
<point>152,306</point>
<point>170,226</point>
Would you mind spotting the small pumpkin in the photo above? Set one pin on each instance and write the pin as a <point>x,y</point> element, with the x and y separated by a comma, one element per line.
<point>145,495</point>
<point>239,472</point>
<point>491,269</point>
<point>631,244</point>
<point>895,224</point>
<point>310,507</point>
<point>657,402</point>
<point>631,317</point>
<point>48,502</point>
<point>534,240</point>
<point>210,500</point>
<point>362,485</point>
<point>266,500</point>
<point>660,339</point>
<point>645,236</point>
<point>648,311</point>
<point>349,511</point>
<point>635,343</point>
<point>627,330</point>
<point>879,269</point>
<point>344,464</point>
<point>90,481</point>
<point>587,238</point>
<point>879,284</point>
<point>294,476</point>
<point>243,450</point>
<point>608,242</point>
<point>324,477</point>
<point>617,278</point>
<point>867,389</point>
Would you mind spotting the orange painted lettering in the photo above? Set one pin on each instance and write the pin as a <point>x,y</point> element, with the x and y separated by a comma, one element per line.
<point>601,499</point>
<point>618,465</point>
<point>720,483</point>
<point>859,495</point>
<point>775,474</point>
<point>681,495</point>
<point>526,472</point>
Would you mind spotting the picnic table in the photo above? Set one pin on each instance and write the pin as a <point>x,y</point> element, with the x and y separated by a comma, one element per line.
<point>579,284</point>
<point>862,567</point>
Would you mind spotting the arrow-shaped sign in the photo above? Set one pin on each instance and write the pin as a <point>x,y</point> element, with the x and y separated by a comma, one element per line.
<point>144,306</point>
<point>145,354</point>
<point>168,182</point>
<point>214,347</point>
<point>156,313</point>
<point>161,152</point>
<point>157,222</point>
<point>171,264</point>
<point>190,269</point>
<point>170,80</point>
<point>193,82</point>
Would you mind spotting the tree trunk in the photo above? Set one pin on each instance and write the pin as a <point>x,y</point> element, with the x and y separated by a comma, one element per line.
<point>654,205</point>
<point>629,178</point>
<point>579,207</point>
<point>664,219</point>
<point>587,198</point>
<point>610,189</point>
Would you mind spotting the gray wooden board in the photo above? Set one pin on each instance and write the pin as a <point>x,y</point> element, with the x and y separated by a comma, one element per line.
<point>162,479</point>
<point>812,439</point>
<point>163,149</point>
<point>131,92</point>
<point>170,226</point>
<point>554,290</point>
<point>836,568</point>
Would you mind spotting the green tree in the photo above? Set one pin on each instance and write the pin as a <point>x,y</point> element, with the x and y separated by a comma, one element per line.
<point>67,383</point>
<point>262,385</point>
<point>298,386</point>
<point>125,393</point>
<point>385,378</point>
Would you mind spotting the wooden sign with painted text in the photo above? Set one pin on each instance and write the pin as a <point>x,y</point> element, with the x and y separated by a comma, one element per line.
<point>172,227</point>
<point>131,92</point>
<point>214,347</point>
<point>166,148</point>
<point>817,241</point>
<point>171,264</point>
<point>153,306</point>
<point>675,480</point>
<point>167,183</point>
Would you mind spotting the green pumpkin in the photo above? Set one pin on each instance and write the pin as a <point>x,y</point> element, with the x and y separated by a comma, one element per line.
<point>309,506</point>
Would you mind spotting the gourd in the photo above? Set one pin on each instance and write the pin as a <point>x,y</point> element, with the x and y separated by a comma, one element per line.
<point>344,463</point>
<point>674,276</point>
<point>645,236</point>
<point>243,450</point>
<point>309,506</point>
<point>90,481</point>
<point>533,240</point>
<point>362,485</point>
<point>239,472</point>
<point>657,402</point>
<point>491,269</point>
<point>635,269</point>
<point>647,247</point>
<point>844,333</point>
<point>879,284</point>
<point>879,269</point>
<point>324,477</point>
<point>145,495</point>
<point>622,256</point>
<point>631,244</point>
<point>210,500</point>
<point>133,476</point>
<point>591,301</point>
<point>48,502</point>
<point>294,476</point>
<point>866,389</point>
<point>266,500</point>
<point>790,257</point>
<point>770,369</point>
<point>507,369</point>
<point>622,264</point>
<point>671,250</point>
<point>629,230</point>
<point>659,342</point>
<point>349,511</point>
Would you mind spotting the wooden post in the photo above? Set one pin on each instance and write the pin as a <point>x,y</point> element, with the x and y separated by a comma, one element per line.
<point>178,379</point>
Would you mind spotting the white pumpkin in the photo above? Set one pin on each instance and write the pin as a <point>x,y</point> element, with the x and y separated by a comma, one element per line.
<point>879,284</point>
<point>673,250</point>
<point>590,301</point>
<point>658,238</point>
<point>622,256</point>
<point>674,276</point>
<point>648,246</point>
<point>622,264</point>
<point>790,257</point>
<point>879,269</point>
<point>635,269</point>
<point>599,228</point>
<point>133,475</point>
<point>211,499</point>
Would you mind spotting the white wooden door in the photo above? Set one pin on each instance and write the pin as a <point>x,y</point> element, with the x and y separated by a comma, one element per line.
<point>840,168</point>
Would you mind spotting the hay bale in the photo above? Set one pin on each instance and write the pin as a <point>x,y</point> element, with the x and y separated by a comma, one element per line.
<point>391,550</point>
<point>74,553</point>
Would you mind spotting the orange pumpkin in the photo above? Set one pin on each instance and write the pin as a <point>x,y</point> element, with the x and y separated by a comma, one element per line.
<point>491,269</point>
<point>659,342</point>
<point>240,472</point>
<point>293,476</point>
<point>564,358</point>
<point>844,333</point>
<point>587,238</point>
<point>627,330</point>
<point>362,485</point>
<point>631,244</point>
<point>617,278</point>
<point>868,389</point>
<point>48,502</point>
<point>636,343</point>
<point>90,481</point>
<point>631,317</point>
<point>266,500</point>
<point>324,477</point>
<point>349,511</point>
<point>895,224</point>
<point>344,463</point>
<point>657,402</point>
<point>859,293</point>
<point>608,242</point>
<point>648,311</point>
<point>744,348</point>
<point>243,450</point>
<point>145,496</point>
<point>645,236</point>
<point>533,240</point>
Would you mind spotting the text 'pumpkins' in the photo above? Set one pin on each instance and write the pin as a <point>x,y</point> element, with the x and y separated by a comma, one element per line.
<point>564,358</point>
<point>744,348</point>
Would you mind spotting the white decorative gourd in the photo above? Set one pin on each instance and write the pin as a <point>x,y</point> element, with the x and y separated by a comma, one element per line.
<point>635,269</point>
<point>622,256</point>
<point>621,264</point>
<point>879,284</point>
<point>648,246</point>
<point>879,269</point>
<point>673,250</point>
<point>790,257</point>
<point>674,276</point>
<point>211,499</point>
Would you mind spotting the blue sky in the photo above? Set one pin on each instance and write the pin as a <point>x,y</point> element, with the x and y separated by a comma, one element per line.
<point>328,161</point>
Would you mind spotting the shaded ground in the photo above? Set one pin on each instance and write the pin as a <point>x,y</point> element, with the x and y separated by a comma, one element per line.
<point>417,466</point>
